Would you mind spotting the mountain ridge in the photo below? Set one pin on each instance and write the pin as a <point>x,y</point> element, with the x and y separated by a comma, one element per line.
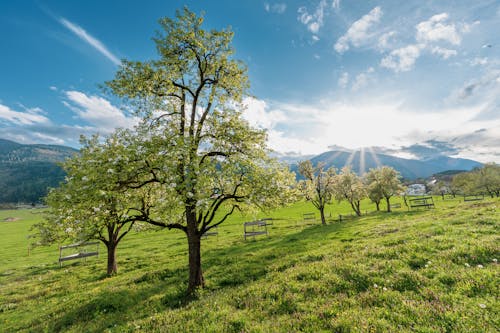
<point>361,161</point>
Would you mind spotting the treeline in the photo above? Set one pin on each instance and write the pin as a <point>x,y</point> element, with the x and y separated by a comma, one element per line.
<point>322,185</point>
<point>28,182</point>
<point>484,180</point>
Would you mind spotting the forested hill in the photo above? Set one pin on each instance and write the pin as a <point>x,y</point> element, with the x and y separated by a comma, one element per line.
<point>27,171</point>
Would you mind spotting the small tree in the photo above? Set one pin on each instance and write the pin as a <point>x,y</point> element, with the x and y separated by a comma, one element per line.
<point>88,206</point>
<point>465,183</point>
<point>488,179</point>
<point>386,180</point>
<point>375,193</point>
<point>317,186</point>
<point>349,186</point>
<point>193,141</point>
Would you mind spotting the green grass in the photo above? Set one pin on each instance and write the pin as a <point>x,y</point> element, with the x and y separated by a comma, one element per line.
<point>422,271</point>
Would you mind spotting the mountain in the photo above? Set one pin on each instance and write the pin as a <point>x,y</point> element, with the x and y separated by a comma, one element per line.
<point>363,160</point>
<point>27,171</point>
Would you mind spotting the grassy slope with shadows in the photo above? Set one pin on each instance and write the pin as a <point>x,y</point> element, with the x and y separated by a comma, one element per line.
<point>425,271</point>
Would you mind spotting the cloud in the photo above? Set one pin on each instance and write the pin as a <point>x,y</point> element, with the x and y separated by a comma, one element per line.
<point>383,121</point>
<point>443,52</point>
<point>362,79</point>
<point>92,41</point>
<point>358,33</point>
<point>384,41</point>
<point>429,39</point>
<point>435,29</point>
<point>98,112</point>
<point>336,4</point>
<point>403,59</point>
<point>313,21</point>
<point>278,8</point>
<point>343,80</point>
<point>26,117</point>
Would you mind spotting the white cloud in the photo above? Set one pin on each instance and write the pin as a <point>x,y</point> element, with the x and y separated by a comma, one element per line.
<point>403,59</point>
<point>98,112</point>
<point>313,21</point>
<point>278,8</point>
<point>336,4</point>
<point>443,52</point>
<point>435,29</point>
<point>310,129</point>
<point>359,32</point>
<point>258,115</point>
<point>53,88</point>
<point>92,41</point>
<point>27,117</point>
<point>479,61</point>
<point>362,79</point>
<point>343,80</point>
<point>384,41</point>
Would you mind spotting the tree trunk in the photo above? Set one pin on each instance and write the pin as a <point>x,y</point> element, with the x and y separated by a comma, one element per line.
<point>377,204</point>
<point>195,273</point>
<point>355,208</point>
<point>112,266</point>
<point>322,214</point>
<point>388,204</point>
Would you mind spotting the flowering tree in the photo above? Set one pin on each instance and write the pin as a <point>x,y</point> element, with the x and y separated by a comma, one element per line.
<point>89,205</point>
<point>348,186</point>
<point>384,181</point>
<point>193,141</point>
<point>317,186</point>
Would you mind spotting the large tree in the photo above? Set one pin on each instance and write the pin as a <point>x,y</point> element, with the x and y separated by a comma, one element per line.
<point>193,140</point>
<point>88,205</point>
<point>317,187</point>
<point>349,186</point>
<point>386,181</point>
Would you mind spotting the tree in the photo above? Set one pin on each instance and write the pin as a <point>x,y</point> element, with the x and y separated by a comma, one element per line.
<point>488,179</point>
<point>386,180</point>
<point>317,186</point>
<point>192,140</point>
<point>375,192</point>
<point>88,205</point>
<point>348,186</point>
<point>465,183</point>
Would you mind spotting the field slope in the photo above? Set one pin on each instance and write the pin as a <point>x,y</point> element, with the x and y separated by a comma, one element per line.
<point>424,271</point>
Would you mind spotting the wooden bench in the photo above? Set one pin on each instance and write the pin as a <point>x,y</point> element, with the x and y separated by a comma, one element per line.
<point>82,251</point>
<point>426,202</point>
<point>309,217</point>
<point>250,231</point>
<point>473,197</point>
<point>213,232</point>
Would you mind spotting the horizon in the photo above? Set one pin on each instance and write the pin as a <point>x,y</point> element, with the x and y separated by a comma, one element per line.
<point>406,80</point>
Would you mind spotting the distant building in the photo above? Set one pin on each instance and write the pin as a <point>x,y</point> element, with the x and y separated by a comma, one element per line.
<point>415,189</point>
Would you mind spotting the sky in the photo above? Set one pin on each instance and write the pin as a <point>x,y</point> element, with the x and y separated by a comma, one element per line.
<point>415,79</point>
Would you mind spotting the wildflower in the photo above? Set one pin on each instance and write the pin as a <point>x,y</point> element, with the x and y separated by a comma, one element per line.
<point>467,265</point>
<point>480,266</point>
<point>375,285</point>
<point>384,289</point>
<point>494,260</point>
<point>482,306</point>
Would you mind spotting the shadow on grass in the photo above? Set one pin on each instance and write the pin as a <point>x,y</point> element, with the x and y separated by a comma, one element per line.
<point>227,267</point>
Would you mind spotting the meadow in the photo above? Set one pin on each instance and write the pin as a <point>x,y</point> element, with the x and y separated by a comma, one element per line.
<point>421,271</point>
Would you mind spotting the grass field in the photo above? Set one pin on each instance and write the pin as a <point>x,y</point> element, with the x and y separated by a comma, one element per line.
<point>421,271</point>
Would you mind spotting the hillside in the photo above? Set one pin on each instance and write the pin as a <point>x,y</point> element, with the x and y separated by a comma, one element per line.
<point>424,271</point>
<point>27,171</point>
<point>409,169</point>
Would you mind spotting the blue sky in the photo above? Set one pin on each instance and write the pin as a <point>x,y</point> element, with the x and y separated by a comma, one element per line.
<point>412,78</point>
